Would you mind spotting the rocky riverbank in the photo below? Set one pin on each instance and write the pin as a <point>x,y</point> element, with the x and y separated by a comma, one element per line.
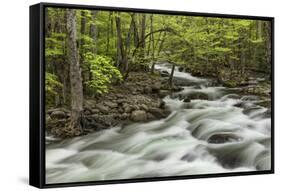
<point>138,99</point>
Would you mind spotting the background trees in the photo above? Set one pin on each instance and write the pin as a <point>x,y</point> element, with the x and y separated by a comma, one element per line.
<point>111,44</point>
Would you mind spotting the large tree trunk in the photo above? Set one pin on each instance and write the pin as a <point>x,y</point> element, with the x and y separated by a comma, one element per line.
<point>75,127</point>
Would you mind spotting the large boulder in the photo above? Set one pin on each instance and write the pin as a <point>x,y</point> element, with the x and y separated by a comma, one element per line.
<point>138,116</point>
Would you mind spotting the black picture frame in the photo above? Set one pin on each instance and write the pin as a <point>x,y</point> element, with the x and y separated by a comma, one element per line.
<point>37,95</point>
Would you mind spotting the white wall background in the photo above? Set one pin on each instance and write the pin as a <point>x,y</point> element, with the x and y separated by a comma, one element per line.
<point>14,38</point>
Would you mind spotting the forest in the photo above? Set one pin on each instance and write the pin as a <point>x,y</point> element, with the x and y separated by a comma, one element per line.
<point>101,66</point>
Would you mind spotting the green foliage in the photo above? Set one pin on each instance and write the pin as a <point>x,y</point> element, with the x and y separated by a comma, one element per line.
<point>103,73</point>
<point>55,45</point>
<point>53,88</point>
<point>204,45</point>
<point>52,84</point>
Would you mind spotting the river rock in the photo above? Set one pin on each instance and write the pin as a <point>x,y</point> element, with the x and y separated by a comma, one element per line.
<point>223,138</point>
<point>127,108</point>
<point>181,69</point>
<point>120,96</point>
<point>150,116</point>
<point>147,90</point>
<point>58,114</point>
<point>94,111</point>
<point>197,95</point>
<point>143,107</point>
<point>267,114</point>
<point>155,88</point>
<point>162,104</point>
<point>138,116</point>
<point>87,111</point>
<point>163,93</point>
<point>158,113</point>
<point>249,110</point>
<point>124,116</point>
<point>186,100</point>
<point>102,108</point>
<point>164,74</point>
<point>90,103</point>
<point>177,88</point>
<point>110,104</point>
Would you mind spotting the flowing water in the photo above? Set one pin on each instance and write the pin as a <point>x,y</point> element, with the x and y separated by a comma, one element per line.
<point>198,137</point>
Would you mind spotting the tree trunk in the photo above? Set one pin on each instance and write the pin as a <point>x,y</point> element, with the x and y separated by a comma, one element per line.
<point>121,54</point>
<point>75,126</point>
<point>172,75</point>
<point>94,32</point>
<point>161,43</point>
<point>81,44</point>
<point>268,44</point>
<point>108,33</point>
<point>128,39</point>
<point>136,34</point>
<point>152,44</point>
<point>66,80</point>
<point>82,31</point>
<point>120,50</point>
<point>143,35</point>
<point>48,25</point>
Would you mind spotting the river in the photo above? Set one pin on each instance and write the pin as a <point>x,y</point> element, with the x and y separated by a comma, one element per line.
<point>226,133</point>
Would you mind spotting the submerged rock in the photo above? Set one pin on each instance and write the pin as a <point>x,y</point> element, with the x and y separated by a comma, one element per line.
<point>223,138</point>
<point>196,95</point>
<point>164,74</point>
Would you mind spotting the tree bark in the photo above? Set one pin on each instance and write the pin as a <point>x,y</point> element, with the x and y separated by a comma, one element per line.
<point>152,44</point>
<point>161,43</point>
<point>94,32</point>
<point>121,54</point>
<point>108,33</point>
<point>172,75</point>
<point>143,26</point>
<point>136,34</point>
<point>82,31</point>
<point>268,44</point>
<point>76,89</point>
